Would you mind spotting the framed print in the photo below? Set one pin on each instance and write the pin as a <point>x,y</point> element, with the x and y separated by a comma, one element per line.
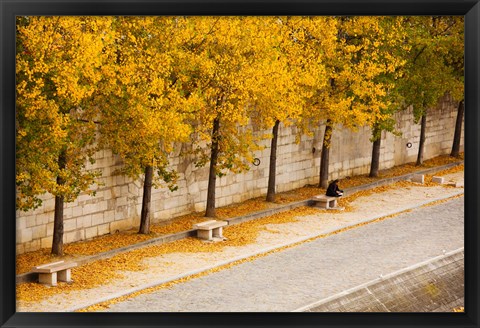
<point>11,11</point>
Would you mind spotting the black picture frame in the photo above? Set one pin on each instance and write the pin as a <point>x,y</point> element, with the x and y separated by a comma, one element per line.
<point>11,8</point>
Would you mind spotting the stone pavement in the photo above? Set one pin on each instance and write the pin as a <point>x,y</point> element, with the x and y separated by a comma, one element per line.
<point>287,280</point>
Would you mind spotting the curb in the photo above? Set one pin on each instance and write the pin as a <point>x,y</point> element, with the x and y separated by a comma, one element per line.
<point>262,251</point>
<point>31,277</point>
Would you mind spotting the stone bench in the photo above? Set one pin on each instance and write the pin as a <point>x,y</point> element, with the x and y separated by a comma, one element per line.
<point>209,229</point>
<point>50,273</point>
<point>324,201</point>
<point>418,178</point>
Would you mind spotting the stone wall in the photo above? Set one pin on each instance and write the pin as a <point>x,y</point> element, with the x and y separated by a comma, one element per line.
<point>435,286</point>
<point>117,203</point>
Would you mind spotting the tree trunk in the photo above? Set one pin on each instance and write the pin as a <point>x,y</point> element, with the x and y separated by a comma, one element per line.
<point>374,166</point>
<point>421,146</point>
<point>146,201</point>
<point>324,162</point>
<point>458,130</point>
<point>57,242</point>
<point>273,164</point>
<point>375,163</point>
<point>212,177</point>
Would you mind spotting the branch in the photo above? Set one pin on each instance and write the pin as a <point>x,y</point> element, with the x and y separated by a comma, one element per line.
<point>204,38</point>
<point>88,121</point>
<point>419,53</point>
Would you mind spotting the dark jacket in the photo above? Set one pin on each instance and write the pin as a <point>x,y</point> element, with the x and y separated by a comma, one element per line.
<point>333,189</point>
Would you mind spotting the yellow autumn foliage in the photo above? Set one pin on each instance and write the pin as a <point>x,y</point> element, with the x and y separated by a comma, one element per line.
<point>54,90</point>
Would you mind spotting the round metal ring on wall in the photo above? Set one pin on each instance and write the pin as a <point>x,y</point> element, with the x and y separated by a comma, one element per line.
<point>256,161</point>
<point>409,145</point>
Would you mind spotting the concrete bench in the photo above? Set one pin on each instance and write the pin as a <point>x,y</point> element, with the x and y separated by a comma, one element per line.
<point>456,184</point>
<point>418,178</point>
<point>50,273</point>
<point>209,229</point>
<point>325,201</point>
<point>439,180</point>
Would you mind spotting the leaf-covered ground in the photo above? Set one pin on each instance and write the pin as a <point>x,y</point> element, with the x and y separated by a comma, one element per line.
<point>100,272</point>
<point>113,241</point>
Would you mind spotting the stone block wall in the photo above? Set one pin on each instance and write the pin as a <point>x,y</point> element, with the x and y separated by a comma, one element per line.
<point>118,199</point>
<point>436,286</point>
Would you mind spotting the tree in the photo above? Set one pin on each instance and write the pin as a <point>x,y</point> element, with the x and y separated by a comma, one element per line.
<point>355,65</point>
<point>277,93</point>
<point>219,70</point>
<point>56,83</point>
<point>147,110</point>
<point>454,58</point>
<point>391,52</point>
<point>315,41</point>
<point>428,75</point>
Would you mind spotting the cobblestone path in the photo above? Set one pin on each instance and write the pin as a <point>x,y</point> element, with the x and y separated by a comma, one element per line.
<point>295,277</point>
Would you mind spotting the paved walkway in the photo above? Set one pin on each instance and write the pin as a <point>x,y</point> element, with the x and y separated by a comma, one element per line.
<point>296,277</point>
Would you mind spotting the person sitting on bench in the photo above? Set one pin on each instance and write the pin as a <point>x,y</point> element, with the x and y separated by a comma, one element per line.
<point>333,190</point>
